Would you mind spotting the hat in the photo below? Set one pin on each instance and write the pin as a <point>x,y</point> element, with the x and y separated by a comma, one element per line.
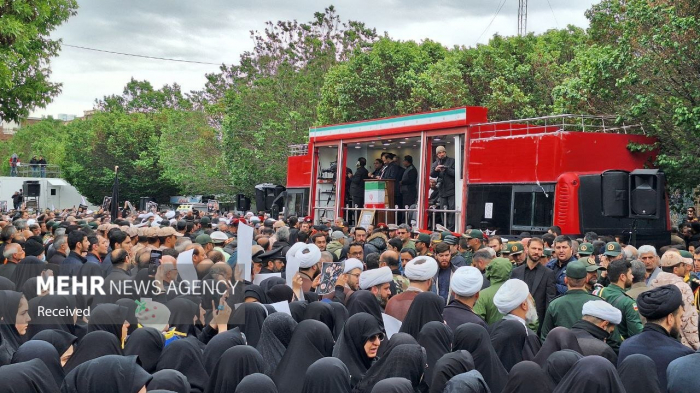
<point>351,264</point>
<point>613,249</point>
<point>602,310</point>
<point>444,234</point>
<point>510,295</point>
<point>451,240</point>
<point>547,252</point>
<point>256,252</point>
<point>307,219</point>
<point>659,302</point>
<point>168,231</point>
<point>308,256</point>
<point>687,257</point>
<point>590,265</point>
<point>393,227</point>
<point>382,225</point>
<point>203,239</point>
<point>152,314</point>
<point>576,270</point>
<point>33,248</point>
<point>170,214</point>
<point>205,220</point>
<point>151,232</point>
<point>515,248</point>
<point>421,268</point>
<point>466,281</point>
<point>670,259</point>
<point>585,249</point>
<point>473,234</point>
<point>373,277</point>
<point>132,232</point>
<point>321,228</point>
<point>278,224</point>
<point>218,237</point>
<point>423,238</point>
<point>337,235</point>
<point>440,149</point>
<point>275,253</point>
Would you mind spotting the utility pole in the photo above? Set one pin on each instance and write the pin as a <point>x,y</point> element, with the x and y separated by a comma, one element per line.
<point>522,17</point>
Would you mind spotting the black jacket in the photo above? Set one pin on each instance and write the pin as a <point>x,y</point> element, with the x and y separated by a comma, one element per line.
<point>457,313</point>
<point>357,183</point>
<point>543,290</point>
<point>409,185</point>
<point>590,338</point>
<point>447,185</point>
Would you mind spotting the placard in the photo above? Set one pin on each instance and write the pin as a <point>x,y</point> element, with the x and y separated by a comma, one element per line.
<point>488,210</point>
<point>3,206</point>
<point>366,218</point>
<point>260,277</point>
<point>391,325</point>
<point>329,275</point>
<point>212,206</point>
<point>245,248</point>
<point>106,203</point>
<point>151,206</point>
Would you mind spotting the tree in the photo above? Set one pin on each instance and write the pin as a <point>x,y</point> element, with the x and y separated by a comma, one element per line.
<point>139,96</point>
<point>45,138</point>
<point>25,53</point>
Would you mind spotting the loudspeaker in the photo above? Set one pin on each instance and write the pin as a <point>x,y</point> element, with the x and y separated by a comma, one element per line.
<point>242,202</point>
<point>647,191</point>
<point>31,188</point>
<point>615,197</point>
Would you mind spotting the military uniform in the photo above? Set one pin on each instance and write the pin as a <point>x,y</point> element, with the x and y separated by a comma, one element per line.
<point>631,323</point>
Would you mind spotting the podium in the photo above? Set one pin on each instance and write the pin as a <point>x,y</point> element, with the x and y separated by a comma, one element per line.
<point>379,195</point>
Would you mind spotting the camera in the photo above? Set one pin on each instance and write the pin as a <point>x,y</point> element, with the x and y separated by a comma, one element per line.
<point>333,169</point>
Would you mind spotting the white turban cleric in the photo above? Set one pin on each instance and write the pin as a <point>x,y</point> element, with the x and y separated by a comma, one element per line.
<point>466,281</point>
<point>510,295</point>
<point>352,263</point>
<point>373,277</point>
<point>421,268</point>
<point>602,310</point>
<point>293,250</point>
<point>308,256</point>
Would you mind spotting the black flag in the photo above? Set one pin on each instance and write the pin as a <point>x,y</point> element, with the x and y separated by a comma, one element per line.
<point>114,206</point>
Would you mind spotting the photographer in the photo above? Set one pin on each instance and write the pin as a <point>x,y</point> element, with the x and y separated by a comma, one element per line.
<point>444,170</point>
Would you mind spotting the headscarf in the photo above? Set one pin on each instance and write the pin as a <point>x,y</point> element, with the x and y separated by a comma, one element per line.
<point>558,338</point>
<point>271,282</point>
<point>280,293</point>
<point>638,375</point>
<point>232,367</point>
<point>256,292</point>
<point>471,382</point>
<point>350,347</point>
<point>60,339</point>
<point>298,309</point>
<point>256,383</point>
<point>185,357</point>
<point>171,380</point>
<point>475,339</point>
<point>27,377</point>
<point>65,323</point>
<point>30,287</point>
<point>509,340</point>
<point>130,305</point>
<point>6,284</point>
<point>219,344</point>
<point>107,374</point>
<point>405,361</point>
<point>92,346</point>
<point>393,385</point>
<point>249,318</point>
<point>146,343</point>
<point>311,341</point>
<point>327,375</point>
<point>277,331</point>
<point>436,338</point>
<point>340,317</point>
<point>27,268</point>
<point>426,307</point>
<point>591,374</point>
<point>320,311</point>
<point>396,340</point>
<point>559,363</point>
<point>108,317</point>
<point>364,301</point>
<point>182,313</point>
<point>9,305</point>
<point>46,353</point>
<point>449,366</point>
<point>526,377</point>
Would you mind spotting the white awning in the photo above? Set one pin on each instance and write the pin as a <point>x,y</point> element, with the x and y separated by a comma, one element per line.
<point>57,182</point>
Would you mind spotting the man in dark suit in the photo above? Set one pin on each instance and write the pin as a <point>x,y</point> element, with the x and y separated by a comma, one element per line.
<point>357,183</point>
<point>538,278</point>
<point>409,182</point>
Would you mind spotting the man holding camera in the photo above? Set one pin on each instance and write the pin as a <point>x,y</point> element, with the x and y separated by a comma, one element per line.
<point>444,170</point>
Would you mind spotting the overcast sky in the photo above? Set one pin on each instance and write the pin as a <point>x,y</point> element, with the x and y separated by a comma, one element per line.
<point>217,31</point>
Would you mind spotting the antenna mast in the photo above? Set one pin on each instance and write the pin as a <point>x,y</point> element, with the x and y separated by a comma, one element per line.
<point>522,17</point>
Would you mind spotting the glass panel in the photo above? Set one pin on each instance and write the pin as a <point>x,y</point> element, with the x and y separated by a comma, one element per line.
<point>522,208</point>
<point>543,209</point>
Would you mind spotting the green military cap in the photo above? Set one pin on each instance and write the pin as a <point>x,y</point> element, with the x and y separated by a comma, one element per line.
<point>473,234</point>
<point>82,222</point>
<point>203,239</point>
<point>687,256</point>
<point>515,248</point>
<point>576,270</point>
<point>424,238</point>
<point>613,249</point>
<point>445,234</point>
<point>547,252</point>
<point>93,224</point>
<point>585,249</point>
<point>449,239</point>
<point>205,220</point>
<point>591,266</point>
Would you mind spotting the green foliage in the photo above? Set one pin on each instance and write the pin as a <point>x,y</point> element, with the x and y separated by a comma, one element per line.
<point>139,96</point>
<point>25,52</point>
<point>46,138</point>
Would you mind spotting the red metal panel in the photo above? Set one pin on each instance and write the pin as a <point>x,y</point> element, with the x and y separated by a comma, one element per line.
<point>566,208</point>
<point>299,171</point>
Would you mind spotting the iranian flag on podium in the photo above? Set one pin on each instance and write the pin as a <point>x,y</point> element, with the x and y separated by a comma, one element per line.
<point>375,195</point>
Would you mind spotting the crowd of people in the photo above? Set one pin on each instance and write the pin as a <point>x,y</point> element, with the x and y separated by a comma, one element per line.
<point>37,165</point>
<point>412,311</point>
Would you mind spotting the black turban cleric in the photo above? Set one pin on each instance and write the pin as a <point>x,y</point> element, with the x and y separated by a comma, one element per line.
<point>659,302</point>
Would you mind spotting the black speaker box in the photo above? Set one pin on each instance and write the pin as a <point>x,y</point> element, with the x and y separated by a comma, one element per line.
<point>31,188</point>
<point>615,197</point>
<point>647,193</point>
